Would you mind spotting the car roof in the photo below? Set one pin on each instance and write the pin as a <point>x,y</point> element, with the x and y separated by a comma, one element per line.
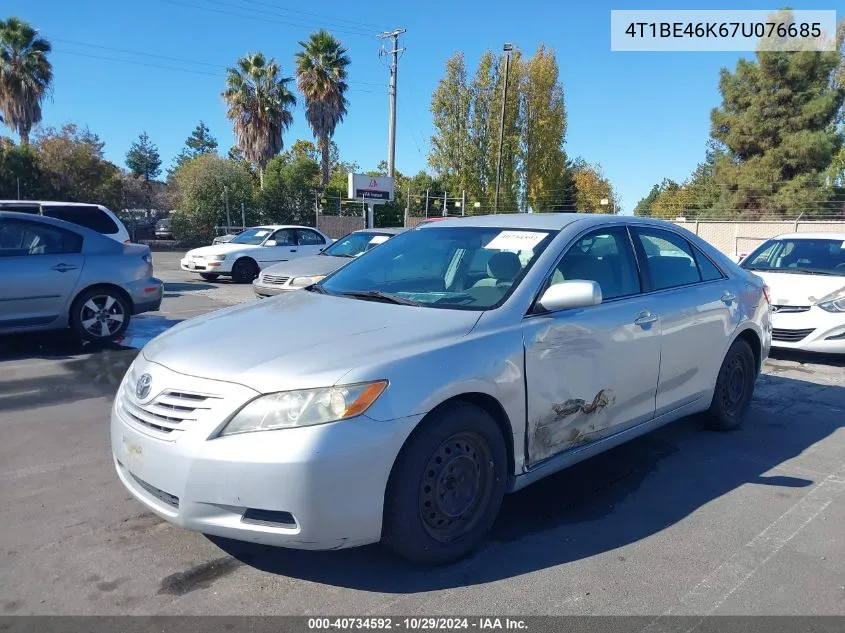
<point>811,236</point>
<point>276,227</point>
<point>538,221</point>
<point>51,202</point>
<point>392,230</point>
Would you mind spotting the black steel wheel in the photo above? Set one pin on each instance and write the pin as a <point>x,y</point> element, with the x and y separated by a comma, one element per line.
<point>244,271</point>
<point>446,487</point>
<point>734,388</point>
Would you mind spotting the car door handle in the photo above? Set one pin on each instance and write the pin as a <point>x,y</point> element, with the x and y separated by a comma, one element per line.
<point>728,296</point>
<point>645,318</point>
<point>63,268</point>
<point>293,250</point>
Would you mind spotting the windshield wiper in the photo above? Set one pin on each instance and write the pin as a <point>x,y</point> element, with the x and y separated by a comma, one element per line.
<point>318,289</point>
<point>812,271</point>
<point>381,296</point>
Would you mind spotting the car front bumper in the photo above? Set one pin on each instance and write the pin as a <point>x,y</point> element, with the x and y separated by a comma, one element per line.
<point>319,487</point>
<point>265,290</point>
<point>206,266</point>
<point>815,330</point>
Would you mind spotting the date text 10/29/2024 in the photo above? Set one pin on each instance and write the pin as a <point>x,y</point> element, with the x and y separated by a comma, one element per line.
<point>417,624</point>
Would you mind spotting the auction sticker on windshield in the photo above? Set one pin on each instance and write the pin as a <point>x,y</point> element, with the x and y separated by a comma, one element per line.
<point>261,233</point>
<point>378,239</point>
<point>516,240</point>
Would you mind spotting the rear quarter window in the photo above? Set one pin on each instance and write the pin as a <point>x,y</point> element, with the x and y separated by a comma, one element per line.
<point>90,217</point>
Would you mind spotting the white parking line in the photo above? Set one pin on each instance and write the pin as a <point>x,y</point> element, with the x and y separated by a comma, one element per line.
<point>709,594</point>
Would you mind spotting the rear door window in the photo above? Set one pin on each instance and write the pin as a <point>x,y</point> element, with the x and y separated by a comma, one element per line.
<point>306,237</point>
<point>20,237</point>
<point>89,216</point>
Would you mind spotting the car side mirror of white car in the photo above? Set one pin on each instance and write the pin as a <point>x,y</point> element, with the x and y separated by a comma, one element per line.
<point>577,293</point>
<point>270,243</point>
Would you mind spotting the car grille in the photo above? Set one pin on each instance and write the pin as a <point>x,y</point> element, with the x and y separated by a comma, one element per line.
<point>790,336</point>
<point>168,411</point>
<point>789,309</point>
<point>275,280</point>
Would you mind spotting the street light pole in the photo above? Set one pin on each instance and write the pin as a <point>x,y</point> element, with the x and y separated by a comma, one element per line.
<point>507,50</point>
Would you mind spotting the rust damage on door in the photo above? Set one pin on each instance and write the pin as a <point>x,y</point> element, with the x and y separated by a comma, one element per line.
<point>571,423</point>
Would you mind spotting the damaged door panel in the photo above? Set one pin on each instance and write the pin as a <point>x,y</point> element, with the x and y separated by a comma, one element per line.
<point>590,373</point>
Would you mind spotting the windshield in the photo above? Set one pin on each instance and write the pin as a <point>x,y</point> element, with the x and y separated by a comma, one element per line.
<point>822,256</point>
<point>251,236</point>
<point>468,268</point>
<point>356,243</point>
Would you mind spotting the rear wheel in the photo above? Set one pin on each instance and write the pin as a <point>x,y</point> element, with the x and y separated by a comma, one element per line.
<point>209,276</point>
<point>100,314</point>
<point>244,271</point>
<point>734,388</point>
<point>446,487</point>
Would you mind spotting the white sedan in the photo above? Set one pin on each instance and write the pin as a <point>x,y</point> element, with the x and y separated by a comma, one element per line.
<point>806,276</point>
<point>253,250</point>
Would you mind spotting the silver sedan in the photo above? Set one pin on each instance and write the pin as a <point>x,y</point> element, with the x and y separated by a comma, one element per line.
<point>299,273</point>
<point>401,397</point>
<point>57,275</point>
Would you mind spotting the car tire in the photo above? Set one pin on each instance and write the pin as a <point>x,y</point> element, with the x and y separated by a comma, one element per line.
<point>446,487</point>
<point>734,389</point>
<point>209,276</point>
<point>244,271</point>
<point>100,315</point>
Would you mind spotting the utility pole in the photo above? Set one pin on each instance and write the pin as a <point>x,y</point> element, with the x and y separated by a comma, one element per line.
<point>407,205</point>
<point>19,188</point>
<point>507,49</point>
<point>228,215</point>
<point>394,67</point>
<point>243,215</point>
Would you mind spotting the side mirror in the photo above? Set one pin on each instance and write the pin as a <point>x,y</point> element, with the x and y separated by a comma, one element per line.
<point>578,293</point>
<point>270,243</point>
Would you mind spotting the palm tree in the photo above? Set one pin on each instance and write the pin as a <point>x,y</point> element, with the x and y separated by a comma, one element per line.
<point>321,78</point>
<point>25,75</point>
<point>260,105</point>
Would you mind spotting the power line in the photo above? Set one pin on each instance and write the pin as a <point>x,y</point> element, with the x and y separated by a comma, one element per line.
<point>258,18</point>
<point>175,59</point>
<point>179,69</point>
<point>316,15</point>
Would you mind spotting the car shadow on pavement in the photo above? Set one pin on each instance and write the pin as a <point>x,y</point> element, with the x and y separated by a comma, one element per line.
<point>94,374</point>
<point>178,287</point>
<point>807,358</point>
<point>630,493</point>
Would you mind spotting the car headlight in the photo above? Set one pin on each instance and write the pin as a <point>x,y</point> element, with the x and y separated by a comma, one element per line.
<point>837,305</point>
<point>305,407</point>
<point>301,282</point>
<point>215,258</point>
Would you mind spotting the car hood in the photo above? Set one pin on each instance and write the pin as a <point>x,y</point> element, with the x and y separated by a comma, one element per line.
<point>220,249</point>
<point>313,265</point>
<point>801,289</point>
<point>301,340</point>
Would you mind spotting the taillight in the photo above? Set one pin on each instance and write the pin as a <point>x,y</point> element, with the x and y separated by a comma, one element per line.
<point>766,295</point>
<point>127,241</point>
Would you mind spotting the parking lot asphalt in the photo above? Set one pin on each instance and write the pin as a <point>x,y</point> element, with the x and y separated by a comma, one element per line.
<point>682,521</point>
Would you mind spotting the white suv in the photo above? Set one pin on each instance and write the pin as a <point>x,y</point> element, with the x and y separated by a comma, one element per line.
<point>92,216</point>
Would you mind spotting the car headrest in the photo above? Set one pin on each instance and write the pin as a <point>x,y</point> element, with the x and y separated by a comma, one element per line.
<point>504,266</point>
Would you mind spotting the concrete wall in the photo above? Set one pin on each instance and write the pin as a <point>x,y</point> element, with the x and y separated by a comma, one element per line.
<point>735,238</point>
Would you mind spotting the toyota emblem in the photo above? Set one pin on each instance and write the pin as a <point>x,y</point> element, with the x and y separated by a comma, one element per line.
<point>142,388</point>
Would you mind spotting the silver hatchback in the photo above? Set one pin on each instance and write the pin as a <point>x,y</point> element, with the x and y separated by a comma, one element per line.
<point>55,275</point>
<point>414,387</point>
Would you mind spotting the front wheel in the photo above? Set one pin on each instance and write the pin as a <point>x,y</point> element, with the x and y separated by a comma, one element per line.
<point>244,271</point>
<point>100,315</point>
<point>734,388</point>
<point>446,487</point>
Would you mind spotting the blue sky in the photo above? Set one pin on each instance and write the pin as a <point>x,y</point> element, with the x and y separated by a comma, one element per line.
<point>642,116</point>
